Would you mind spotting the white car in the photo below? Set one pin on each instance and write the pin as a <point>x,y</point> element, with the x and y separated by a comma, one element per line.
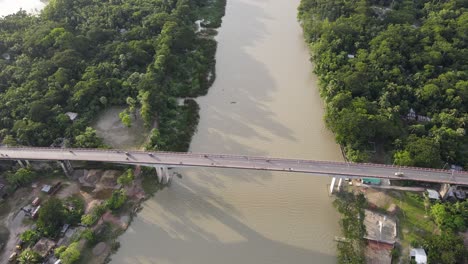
<point>399,174</point>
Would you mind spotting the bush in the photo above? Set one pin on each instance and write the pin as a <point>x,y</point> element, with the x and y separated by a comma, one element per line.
<point>21,177</point>
<point>30,236</point>
<point>91,218</point>
<point>74,210</point>
<point>88,219</point>
<point>90,237</point>
<point>126,178</point>
<point>71,254</point>
<point>29,256</point>
<point>445,248</point>
<point>59,250</point>
<point>117,199</point>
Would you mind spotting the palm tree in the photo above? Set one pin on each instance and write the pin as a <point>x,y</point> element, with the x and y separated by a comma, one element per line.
<point>29,256</point>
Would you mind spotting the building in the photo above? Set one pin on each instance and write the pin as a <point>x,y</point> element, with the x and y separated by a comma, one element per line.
<point>418,255</point>
<point>46,188</point>
<point>433,194</point>
<point>72,115</point>
<point>380,228</point>
<point>44,246</point>
<point>418,118</point>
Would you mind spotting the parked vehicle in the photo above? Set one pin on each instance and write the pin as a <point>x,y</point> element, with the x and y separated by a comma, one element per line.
<point>35,213</point>
<point>20,244</point>
<point>36,201</point>
<point>13,257</point>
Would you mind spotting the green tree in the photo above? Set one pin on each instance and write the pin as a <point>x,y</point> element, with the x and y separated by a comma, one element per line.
<point>90,237</point>
<point>117,199</point>
<point>88,139</point>
<point>9,140</point>
<point>21,177</point>
<point>125,118</point>
<point>446,248</point>
<point>351,207</point>
<point>29,256</point>
<point>126,178</point>
<point>71,254</point>
<point>74,209</point>
<point>51,217</point>
<point>132,104</point>
<point>59,250</point>
<point>403,158</point>
<point>88,219</point>
<point>154,141</point>
<point>30,236</point>
<point>424,152</point>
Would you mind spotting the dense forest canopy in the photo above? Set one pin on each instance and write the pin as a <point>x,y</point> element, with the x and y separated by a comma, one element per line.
<point>84,55</point>
<point>394,76</point>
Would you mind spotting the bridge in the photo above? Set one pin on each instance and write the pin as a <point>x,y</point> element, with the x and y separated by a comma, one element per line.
<point>162,160</point>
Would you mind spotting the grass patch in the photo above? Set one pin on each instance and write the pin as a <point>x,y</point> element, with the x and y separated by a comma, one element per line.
<point>413,222</point>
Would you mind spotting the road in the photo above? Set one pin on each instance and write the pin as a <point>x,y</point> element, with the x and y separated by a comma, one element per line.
<point>175,159</point>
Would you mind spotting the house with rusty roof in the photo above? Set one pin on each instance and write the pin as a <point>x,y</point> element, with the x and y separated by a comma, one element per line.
<point>44,246</point>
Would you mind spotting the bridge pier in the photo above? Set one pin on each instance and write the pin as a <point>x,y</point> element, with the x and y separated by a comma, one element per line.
<point>162,172</point>
<point>20,162</point>
<point>67,167</point>
<point>339,184</point>
<point>332,185</point>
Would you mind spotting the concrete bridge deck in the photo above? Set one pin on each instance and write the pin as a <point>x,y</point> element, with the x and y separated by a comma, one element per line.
<point>175,159</point>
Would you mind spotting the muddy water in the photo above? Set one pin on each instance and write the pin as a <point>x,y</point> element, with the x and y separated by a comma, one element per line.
<point>11,6</point>
<point>264,102</point>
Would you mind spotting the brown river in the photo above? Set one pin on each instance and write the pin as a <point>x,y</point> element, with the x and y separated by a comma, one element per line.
<point>264,102</point>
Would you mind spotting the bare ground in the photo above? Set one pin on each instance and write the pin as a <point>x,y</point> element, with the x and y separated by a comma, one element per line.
<point>109,127</point>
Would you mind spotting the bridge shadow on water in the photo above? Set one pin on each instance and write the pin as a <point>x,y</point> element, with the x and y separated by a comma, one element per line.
<point>200,227</point>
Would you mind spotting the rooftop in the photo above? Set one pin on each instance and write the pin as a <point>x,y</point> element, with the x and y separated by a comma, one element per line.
<point>374,181</point>
<point>419,255</point>
<point>380,227</point>
<point>44,246</point>
<point>433,194</point>
<point>71,115</point>
<point>378,253</point>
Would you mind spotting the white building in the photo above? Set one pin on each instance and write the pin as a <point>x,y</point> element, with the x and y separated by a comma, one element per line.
<point>419,255</point>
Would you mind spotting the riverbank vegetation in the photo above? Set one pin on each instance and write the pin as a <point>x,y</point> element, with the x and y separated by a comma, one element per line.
<point>83,56</point>
<point>394,76</point>
<point>351,207</point>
